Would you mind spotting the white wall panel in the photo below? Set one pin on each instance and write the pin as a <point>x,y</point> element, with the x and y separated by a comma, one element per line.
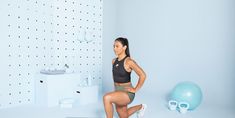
<point>36,34</point>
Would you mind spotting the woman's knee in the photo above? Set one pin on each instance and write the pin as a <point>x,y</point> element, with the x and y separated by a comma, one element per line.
<point>107,97</point>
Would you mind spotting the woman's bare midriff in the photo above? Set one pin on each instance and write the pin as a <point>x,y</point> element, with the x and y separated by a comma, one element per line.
<point>120,84</point>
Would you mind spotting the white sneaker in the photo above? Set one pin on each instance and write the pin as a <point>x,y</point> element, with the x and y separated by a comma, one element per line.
<point>140,113</point>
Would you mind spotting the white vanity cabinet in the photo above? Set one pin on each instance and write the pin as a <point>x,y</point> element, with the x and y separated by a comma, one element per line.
<point>50,89</point>
<point>86,94</point>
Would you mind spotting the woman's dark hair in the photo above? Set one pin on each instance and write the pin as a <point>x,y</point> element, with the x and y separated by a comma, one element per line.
<point>124,42</point>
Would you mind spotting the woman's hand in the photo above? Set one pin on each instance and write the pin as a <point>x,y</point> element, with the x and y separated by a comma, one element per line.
<point>130,89</point>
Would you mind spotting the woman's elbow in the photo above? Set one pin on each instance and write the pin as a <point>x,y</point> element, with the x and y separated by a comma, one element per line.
<point>143,76</point>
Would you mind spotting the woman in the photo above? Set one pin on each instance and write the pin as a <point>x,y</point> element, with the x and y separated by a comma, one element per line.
<point>124,91</point>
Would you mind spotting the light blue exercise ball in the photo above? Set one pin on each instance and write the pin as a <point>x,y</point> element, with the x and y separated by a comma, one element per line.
<point>187,92</point>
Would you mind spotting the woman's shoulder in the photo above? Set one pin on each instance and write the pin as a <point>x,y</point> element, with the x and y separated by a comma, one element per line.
<point>130,60</point>
<point>113,60</point>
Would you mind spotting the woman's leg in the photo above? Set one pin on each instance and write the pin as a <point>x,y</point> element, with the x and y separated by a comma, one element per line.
<point>133,109</point>
<point>122,111</point>
<point>119,98</point>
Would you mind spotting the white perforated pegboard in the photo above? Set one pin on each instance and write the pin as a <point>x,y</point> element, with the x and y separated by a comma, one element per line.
<point>36,34</point>
<point>78,35</point>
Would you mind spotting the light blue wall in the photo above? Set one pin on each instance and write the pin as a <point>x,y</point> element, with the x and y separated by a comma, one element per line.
<point>109,33</point>
<point>175,41</point>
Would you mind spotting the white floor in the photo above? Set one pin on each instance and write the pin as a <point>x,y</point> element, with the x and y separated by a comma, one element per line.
<point>156,109</point>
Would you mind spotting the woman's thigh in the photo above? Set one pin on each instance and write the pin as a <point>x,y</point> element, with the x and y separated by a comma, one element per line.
<point>119,98</point>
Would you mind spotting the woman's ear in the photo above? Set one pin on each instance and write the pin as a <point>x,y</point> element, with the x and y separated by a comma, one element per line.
<point>125,47</point>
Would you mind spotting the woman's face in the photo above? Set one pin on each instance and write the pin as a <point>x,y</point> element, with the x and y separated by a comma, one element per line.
<point>118,48</point>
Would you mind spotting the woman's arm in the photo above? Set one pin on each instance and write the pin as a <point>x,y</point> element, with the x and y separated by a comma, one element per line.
<point>139,71</point>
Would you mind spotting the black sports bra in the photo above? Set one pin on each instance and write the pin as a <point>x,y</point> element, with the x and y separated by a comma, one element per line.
<point>120,75</point>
